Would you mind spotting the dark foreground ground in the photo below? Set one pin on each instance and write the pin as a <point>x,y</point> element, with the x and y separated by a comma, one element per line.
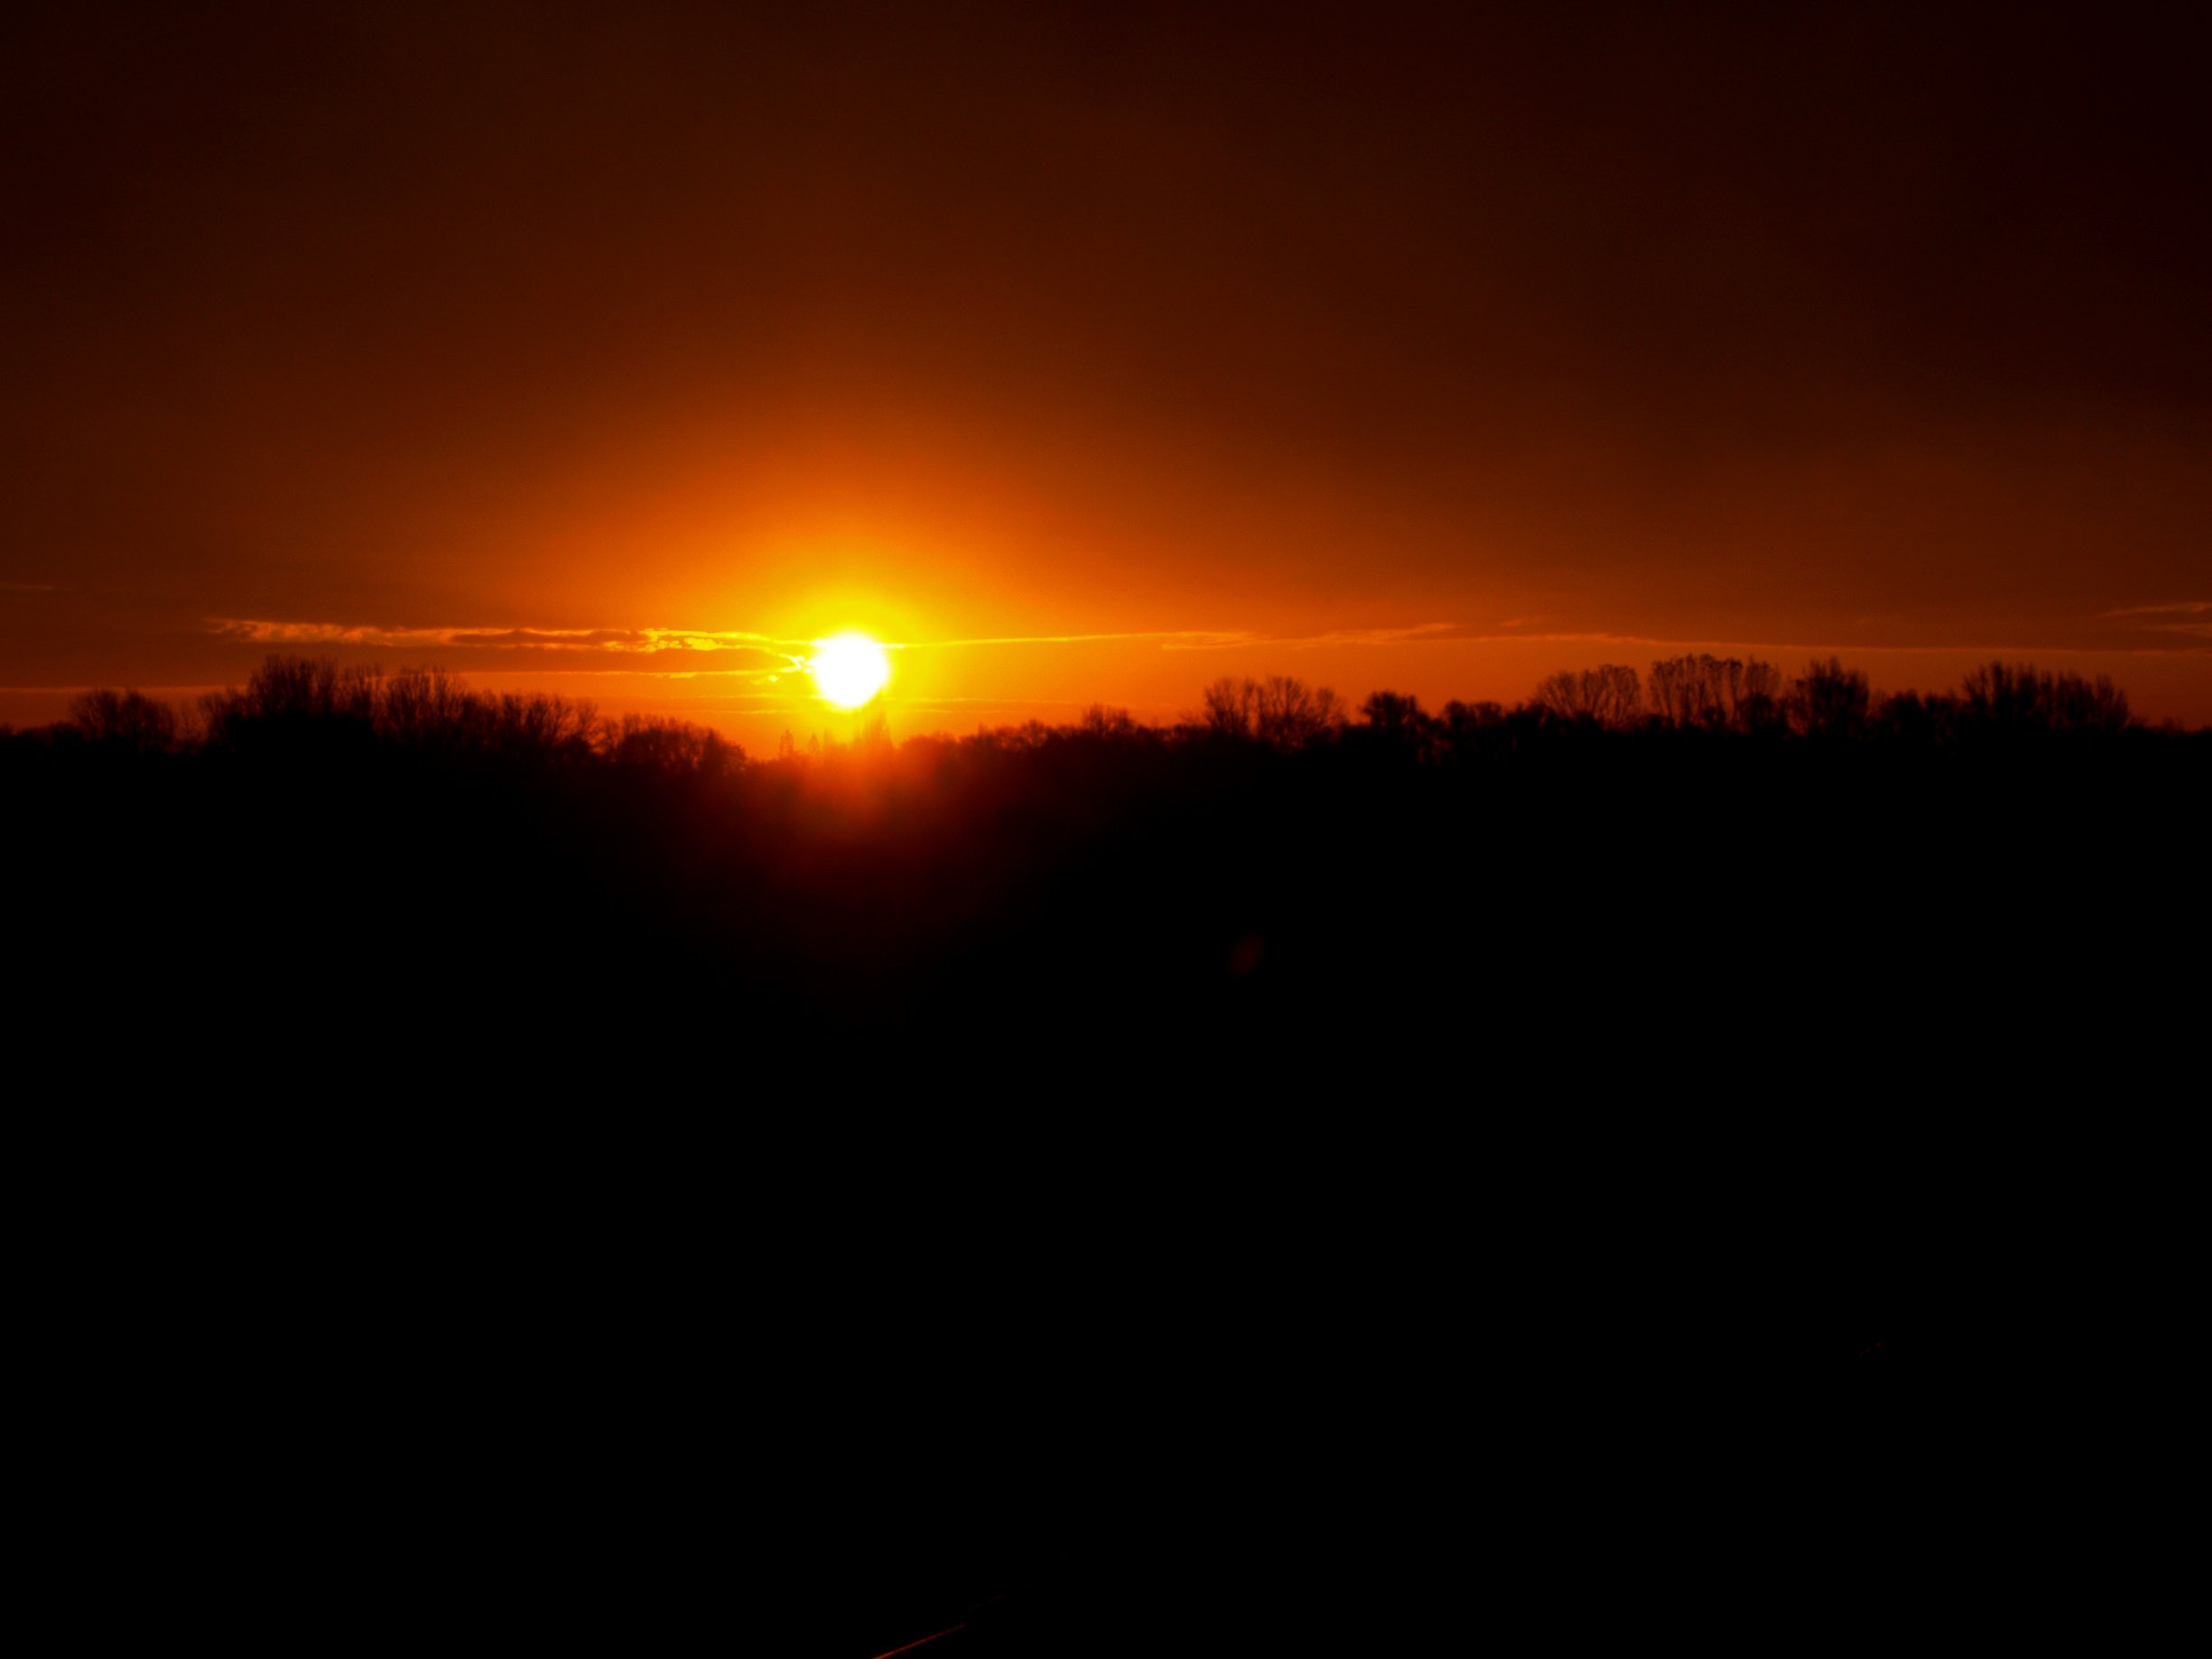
<point>1121,1197</point>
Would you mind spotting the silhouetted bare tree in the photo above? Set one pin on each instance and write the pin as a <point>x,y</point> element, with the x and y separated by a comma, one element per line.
<point>1395,723</point>
<point>1829,700</point>
<point>543,726</point>
<point>673,748</point>
<point>292,700</point>
<point>1472,717</point>
<point>1228,706</point>
<point>1293,714</point>
<point>1114,724</point>
<point>1607,695</point>
<point>2089,705</point>
<point>1718,693</point>
<point>425,706</point>
<point>2005,697</point>
<point>1280,712</point>
<point>126,720</point>
<point>1393,711</point>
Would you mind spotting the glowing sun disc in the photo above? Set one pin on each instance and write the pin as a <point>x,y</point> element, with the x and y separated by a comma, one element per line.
<point>849,669</point>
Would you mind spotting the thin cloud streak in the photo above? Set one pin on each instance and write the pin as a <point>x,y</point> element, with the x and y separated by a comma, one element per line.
<point>1202,639</point>
<point>2146,616</point>
<point>778,656</point>
<point>1448,634</point>
<point>1191,639</point>
<point>645,641</point>
<point>110,685</point>
<point>1820,648</point>
<point>770,657</point>
<point>650,642</point>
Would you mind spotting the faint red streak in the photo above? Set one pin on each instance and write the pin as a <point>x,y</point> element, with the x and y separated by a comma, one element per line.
<point>922,1642</point>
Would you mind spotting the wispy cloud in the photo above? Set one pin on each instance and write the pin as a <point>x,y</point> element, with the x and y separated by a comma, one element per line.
<point>1186,639</point>
<point>260,632</point>
<point>1424,631</point>
<point>736,651</point>
<point>2176,608</point>
<point>675,653</point>
<point>2190,616</point>
<point>791,653</point>
<point>1204,639</point>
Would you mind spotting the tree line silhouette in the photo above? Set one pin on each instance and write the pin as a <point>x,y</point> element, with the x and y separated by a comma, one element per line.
<point>1243,858</point>
<point>1274,864</point>
<point>292,702</point>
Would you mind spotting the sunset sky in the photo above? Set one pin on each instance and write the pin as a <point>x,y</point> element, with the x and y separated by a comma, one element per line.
<point>1087,353</point>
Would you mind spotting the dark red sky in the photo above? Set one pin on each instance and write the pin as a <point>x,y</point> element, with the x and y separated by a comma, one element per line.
<point>1423,347</point>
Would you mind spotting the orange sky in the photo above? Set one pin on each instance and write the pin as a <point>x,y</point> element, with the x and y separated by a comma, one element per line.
<point>1386,348</point>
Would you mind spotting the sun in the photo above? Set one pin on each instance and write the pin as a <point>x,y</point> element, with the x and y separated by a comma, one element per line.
<point>849,669</point>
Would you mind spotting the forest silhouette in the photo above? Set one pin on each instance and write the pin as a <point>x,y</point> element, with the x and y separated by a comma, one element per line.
<point>1711,860</point>
<point>1273,856</point>
<point>1100,1111</point>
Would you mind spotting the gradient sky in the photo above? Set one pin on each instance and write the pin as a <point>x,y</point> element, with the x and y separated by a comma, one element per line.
<point>1091,354</point>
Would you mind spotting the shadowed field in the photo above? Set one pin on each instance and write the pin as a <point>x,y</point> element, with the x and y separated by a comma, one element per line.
<point>1251,1184</point>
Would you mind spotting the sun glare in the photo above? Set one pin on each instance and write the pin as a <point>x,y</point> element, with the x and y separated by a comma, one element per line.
<point>849,669</point>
